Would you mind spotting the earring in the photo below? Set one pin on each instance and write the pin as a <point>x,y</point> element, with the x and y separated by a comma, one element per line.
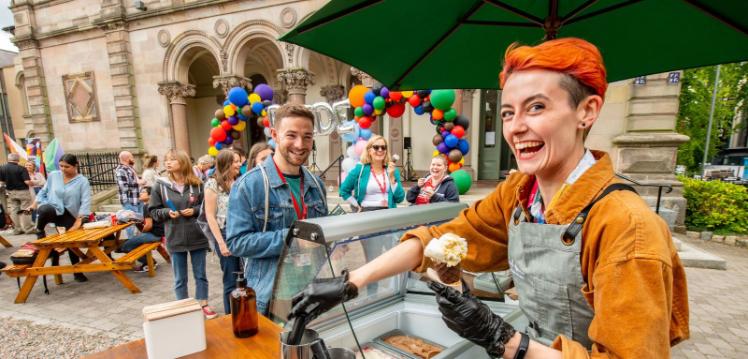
<point>584,124</point>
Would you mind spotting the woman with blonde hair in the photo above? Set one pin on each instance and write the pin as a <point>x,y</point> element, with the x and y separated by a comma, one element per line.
<point>150,172</point>
<point>217,189</point>
<point>375,182</point>
<point>175,202</point>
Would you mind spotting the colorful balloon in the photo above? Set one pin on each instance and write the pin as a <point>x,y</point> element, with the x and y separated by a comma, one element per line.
<point>367,110</point>
<point>442,148</point>
<point>396,110</point>
<point>365,134</point>
<point>450,114</point>
<point>235,134</point>
<point>219,114</point>
<point>407,94</point>
<point>255,98</point>
<point>384,92</point>
<point>214,122</point>
<point>364,122</point>
<point>264,91</point>
<point>414,100</point>
<point>396,96</point>
<point>218,134</point>
<point>359,111</point>
<point>419,110</point>
<point>437,114</point>
<point>228,111</point>
<point>356,95</point>
<point>451,141</point>
<point>233,120</point>
<point>240,126</point>
<point>454,167</point>
<point>464,147</point>
<point>455,156</point>
<point>442,99</point>
<point>437,140</point>
<point>369,97</point>
<point>462,121</point>
<point>257,107</point>
<point>378,103</point>
<point>212,151</point>
<point>462,180</point>
<point>458,131</point>
<point>238,96</point>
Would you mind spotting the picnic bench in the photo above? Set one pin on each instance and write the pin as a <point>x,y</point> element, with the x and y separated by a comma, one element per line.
<point>78,241</point>
<point>5,242</point>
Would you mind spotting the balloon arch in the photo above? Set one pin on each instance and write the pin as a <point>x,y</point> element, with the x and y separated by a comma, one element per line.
<point>368,104</point>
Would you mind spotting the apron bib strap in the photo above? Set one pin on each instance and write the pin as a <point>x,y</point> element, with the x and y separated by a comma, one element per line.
<point>576,225</point>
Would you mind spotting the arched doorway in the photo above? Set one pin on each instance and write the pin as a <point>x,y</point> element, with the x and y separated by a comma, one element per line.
<point>259,59</point>
<point>201,107</point>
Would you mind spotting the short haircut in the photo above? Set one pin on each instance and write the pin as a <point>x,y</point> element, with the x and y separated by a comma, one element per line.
<point>292,110</point>
<point>577,59</point>
<point>206,159</point>
<point>13,157</point>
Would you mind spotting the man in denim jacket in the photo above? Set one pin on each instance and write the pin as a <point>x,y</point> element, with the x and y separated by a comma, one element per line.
<point>295,193</point>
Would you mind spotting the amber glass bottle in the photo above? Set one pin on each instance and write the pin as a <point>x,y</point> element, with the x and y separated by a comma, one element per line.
<point>243,309</point>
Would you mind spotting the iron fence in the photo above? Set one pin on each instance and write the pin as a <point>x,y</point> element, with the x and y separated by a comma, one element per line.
<point>98,167</point>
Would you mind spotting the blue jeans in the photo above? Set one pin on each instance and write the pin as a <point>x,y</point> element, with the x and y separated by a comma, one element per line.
<point>179,263</point>
<point>229,266</point>
<point>136,241</point>
<point>138,209</point>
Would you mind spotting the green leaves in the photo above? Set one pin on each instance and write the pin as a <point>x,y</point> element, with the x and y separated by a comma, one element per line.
<point>695,102</point>
<point>716,205</point>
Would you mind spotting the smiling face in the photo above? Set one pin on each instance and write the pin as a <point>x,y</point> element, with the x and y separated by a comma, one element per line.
<point>438,167</point>
<point>294,138</point>
<point>378,151</point>
<point>541,124</point>
<point>236,165</point>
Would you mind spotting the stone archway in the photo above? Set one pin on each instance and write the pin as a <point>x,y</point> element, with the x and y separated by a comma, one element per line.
<point>192,58</point>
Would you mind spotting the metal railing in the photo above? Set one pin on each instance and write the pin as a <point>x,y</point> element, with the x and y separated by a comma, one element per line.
<point>99,168</point>
<point>668,187</point>
<point>336,162</point>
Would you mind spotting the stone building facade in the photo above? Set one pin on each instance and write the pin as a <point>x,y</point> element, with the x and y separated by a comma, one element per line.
<point>105,75</point>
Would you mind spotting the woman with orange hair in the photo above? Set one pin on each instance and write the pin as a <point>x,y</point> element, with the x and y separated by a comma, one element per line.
<point>596,270</point>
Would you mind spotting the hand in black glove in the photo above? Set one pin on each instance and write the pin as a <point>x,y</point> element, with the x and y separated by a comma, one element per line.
<point>322,295</point>
<point>472,319</point>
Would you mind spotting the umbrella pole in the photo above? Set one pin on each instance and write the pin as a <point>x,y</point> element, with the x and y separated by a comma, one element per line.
<point>711,118</point>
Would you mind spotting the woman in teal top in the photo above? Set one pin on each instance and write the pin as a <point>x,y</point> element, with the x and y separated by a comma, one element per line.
<point>375,182</point>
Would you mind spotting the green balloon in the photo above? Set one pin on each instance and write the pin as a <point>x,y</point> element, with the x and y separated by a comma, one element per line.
<point>378,103</point>
<point>462,180</point>
<point>450,114</point>
<point>214,122</point>
<point>442,99</point>
<point>359,111</point>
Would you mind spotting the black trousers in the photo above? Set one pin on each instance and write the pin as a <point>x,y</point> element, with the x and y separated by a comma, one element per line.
<point>45,215</point>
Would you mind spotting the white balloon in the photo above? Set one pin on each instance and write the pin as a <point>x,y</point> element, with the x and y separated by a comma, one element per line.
<point>267,132</point>
<point>348,164</point>
<point>351,151</point>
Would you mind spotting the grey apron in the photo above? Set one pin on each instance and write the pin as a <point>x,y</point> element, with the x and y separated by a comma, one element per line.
<point>545,260</point>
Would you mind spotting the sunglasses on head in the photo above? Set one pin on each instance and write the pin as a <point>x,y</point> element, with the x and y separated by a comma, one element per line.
<point>379,147</point>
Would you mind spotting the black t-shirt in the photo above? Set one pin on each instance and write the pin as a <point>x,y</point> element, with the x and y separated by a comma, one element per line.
<point>158,227</point>
<point>14,176</point>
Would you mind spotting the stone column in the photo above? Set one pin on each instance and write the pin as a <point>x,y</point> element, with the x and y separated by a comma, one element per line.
<point>176,93</point>
<point>123,84</point>
<point>39,121</point>
<point>295,81</point>
<point>648,149</point>
<point>227,82</point>
<point>466,109</point>
<point>332,94</point>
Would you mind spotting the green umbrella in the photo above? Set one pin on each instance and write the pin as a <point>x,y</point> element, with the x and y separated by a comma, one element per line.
<point>460,43</point>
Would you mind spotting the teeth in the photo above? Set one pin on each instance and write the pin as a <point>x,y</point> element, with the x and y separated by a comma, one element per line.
<point>523,145</point>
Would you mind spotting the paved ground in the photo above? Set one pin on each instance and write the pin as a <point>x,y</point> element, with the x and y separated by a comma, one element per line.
<point>87,317</point>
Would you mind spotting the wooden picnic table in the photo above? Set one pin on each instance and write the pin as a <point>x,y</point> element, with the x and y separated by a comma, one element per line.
<point>86,244</point>
<point>221,343</point>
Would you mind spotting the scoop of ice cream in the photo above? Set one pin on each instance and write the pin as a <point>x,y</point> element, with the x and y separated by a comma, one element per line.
<point>449,249</point>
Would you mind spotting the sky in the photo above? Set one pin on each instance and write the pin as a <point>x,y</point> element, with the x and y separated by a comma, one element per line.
<point>6,19</point>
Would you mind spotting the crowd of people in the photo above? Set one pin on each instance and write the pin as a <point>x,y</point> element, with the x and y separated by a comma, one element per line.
<point>203,206</point>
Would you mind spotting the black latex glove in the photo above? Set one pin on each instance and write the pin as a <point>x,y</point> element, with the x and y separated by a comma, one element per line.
<point>322,295</point>
<point>472,319</point>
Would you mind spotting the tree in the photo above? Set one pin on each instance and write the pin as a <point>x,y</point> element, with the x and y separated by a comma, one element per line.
<point>695,102</point>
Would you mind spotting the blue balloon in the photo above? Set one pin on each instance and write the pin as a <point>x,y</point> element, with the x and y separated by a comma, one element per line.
<point>271,143</point>
<point>445,134</point>
<point>464,147</point>
<point>226,103</point>
<point>241,116</point>
<point>219,145</point>
<point>349,137</point>
<point>365,134</point>
<point>229,140</point>
<point>369,97</point>
<point>257,108</point>
<point>238,96</point>
<point>442,148</point>
<point>419,110</point>
<point>451,141</point>
<point>233,120</point>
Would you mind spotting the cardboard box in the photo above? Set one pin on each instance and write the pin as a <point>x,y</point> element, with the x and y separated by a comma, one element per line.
<point>174,329</point>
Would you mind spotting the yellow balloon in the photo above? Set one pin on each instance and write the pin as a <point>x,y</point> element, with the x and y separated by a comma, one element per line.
<point>378,112</point>
<point>254,98</point>
<point>462,160</point>
<point>240,126</point>
<point>264,113</point>
<point>229,111</point>
<point>436,153</point>
<point>407,94</point>
<point>213,151</point>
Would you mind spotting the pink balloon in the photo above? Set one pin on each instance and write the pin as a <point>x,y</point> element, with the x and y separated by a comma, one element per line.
<point>343,175</point>
<point>360,147</point>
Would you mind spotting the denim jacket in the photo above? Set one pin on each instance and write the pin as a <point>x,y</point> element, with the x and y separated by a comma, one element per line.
<point>246,216</point>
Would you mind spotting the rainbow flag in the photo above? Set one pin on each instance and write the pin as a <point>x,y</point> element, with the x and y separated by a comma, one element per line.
<point>14,147</point>
<point>52,155</point>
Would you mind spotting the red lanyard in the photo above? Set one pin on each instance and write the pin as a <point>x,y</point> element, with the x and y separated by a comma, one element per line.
<point>300,212</point>
<point>382,186</point>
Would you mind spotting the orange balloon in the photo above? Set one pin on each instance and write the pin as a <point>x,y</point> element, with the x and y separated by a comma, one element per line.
<point>454,167</point>
<point>356,95</point>
<point>437,114</point>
